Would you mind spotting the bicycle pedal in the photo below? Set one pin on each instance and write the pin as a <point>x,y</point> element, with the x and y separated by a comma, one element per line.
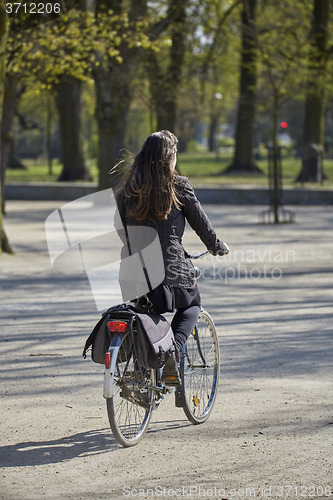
<point>172,381</point>
<point>170,374</point>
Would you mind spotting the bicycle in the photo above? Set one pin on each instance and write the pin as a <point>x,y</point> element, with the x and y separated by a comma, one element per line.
<point>132,392</point>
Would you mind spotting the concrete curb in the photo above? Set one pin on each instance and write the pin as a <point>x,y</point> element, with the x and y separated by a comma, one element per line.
<point>232,195</point>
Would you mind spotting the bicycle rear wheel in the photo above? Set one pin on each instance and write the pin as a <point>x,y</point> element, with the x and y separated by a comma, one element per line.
<point>200,368</point>
<point>130,408</point>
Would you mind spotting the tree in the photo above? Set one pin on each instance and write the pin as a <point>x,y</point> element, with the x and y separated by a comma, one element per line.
<point>68,100</point>
<point>101,43</point>
<point>113,73</point>
<point>4,27</point>
<point>243,155</point>
<point>69,104</point>
<point>37,54</point>
<point>313,127</point>
<point>212,60</point>
<point>281,44</point>
<point>32,60</point>
<point>165,78</point>
<point>12,91</point>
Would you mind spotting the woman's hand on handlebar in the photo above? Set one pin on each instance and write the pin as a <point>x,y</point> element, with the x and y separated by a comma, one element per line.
<point>223,250</point>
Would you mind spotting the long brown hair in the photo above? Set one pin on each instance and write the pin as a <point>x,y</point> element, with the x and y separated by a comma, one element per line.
<point>150,184</point>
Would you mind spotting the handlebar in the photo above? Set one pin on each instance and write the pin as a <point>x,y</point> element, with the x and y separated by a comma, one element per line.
<point>199,255</point>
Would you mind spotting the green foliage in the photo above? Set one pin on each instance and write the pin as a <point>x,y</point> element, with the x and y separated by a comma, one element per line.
<point>283,32</point>
<point>73,44</point>
<point>213,55</point>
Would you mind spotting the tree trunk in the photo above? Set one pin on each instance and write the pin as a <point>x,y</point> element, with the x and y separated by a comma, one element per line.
<point>68,101</point>
<point>164,86</point>
<point>110,145</point>
<point>114,92</point>
<point>212,131</point>
<point>113,98</point>
<point>243,156</point>
<point>313,127</point>
<point>8,110</point>
<point>49,133</point>
<point>4,243</point>
<point>4,25</point>
<point>166,110</point>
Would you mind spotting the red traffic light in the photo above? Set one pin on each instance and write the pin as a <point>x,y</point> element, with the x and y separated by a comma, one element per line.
<point>284,124</point>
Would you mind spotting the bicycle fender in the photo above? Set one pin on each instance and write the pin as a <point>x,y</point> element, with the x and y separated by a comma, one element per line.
<point>108,386</point>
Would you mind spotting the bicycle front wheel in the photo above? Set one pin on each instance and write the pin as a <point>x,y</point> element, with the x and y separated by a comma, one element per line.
<point>200,368</point>
<point>130,408</point>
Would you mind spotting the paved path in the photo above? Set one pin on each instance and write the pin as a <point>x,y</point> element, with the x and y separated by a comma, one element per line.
<point>270,435</point>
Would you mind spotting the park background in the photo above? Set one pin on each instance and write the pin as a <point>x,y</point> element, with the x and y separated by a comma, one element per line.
<point>223,75</point>
<point>236,80</point>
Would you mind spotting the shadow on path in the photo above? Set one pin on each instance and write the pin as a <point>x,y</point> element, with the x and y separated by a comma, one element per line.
<point>58,450</point>
<point>89,443</point>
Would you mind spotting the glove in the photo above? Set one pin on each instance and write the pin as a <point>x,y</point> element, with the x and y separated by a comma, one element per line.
<point>223,250</point>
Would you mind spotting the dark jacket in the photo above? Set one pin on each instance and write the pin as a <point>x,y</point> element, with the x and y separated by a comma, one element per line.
<point>179,269</point>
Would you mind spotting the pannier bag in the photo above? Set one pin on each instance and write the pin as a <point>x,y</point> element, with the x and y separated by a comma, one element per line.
<point>153,337</point>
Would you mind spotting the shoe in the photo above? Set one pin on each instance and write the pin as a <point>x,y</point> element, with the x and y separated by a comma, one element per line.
<point>171,370</point>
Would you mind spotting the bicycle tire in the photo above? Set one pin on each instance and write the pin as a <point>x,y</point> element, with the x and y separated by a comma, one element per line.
<point>200,370</point>
<point>130,408</point>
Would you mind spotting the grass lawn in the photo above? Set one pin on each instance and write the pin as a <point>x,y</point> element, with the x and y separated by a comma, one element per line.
<point>201,168</point>
<point>207,168</point>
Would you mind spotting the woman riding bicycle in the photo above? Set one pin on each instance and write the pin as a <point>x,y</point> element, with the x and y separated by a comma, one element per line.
<point>155,195</point>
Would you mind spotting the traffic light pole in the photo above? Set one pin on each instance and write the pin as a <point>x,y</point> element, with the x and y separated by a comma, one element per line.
<point>275,177</point>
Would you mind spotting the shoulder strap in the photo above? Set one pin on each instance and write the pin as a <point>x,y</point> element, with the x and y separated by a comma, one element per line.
<point>121,211</point>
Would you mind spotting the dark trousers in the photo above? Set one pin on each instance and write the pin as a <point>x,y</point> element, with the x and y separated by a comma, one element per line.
<point>186,303</point>
<point>183,323</point>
